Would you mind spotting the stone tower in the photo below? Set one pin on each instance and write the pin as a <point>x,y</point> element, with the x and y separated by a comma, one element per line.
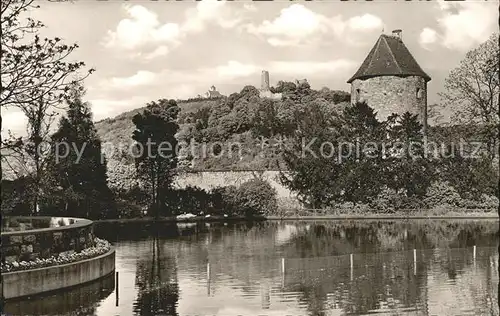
<point>264,84</point>
<point>390,80</point>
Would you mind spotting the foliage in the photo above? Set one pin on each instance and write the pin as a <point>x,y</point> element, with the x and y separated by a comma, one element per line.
<point>15,197</point>
<point>36,77</point>
<point>253,197</point>
<point>100,247</point>
<point>470,176</point>
<point>311,172</point>
<point>442,193</point>
<point>325,163</point>
<point>406,166</point>
<point>79,168</point>
<point>32,69</point>
<point>189,199</point>
<point>472,90</point>
<point>156,160</point>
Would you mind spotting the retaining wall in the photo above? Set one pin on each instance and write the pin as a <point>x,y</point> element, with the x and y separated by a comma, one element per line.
<point>41,243</point>
<point>35,281</point>
<point>80,300</point>
<point>211,179</point>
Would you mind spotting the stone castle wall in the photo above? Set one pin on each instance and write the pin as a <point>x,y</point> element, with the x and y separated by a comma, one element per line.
<point>269,95</point>
<point>391,94</point>
<point>209,180</point>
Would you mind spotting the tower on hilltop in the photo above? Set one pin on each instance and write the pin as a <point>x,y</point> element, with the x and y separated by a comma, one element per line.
<point>264,80</point>
<point>265,88</point>
<point>390,80</point>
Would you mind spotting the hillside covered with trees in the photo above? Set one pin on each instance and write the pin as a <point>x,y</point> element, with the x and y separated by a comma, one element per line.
<point>238,132</point>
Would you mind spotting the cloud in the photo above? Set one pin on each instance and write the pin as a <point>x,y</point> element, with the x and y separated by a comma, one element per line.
<point>141,33</point>
<point>236,69</point>
<point>250,7</point>
<point>182,84</point>
<point>427,37</point>
<point>139,79</point>
<point>466,24</point>
<point>140,29</point>
<point>297,25</point>
<point>102,108</point>
<point>210,11</point>
<point>158,52</point>
<point>364,22</point>
<point>305,68</point>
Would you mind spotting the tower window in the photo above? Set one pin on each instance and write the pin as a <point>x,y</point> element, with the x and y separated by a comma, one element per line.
<point>357,95</point>
<point>419,93</point>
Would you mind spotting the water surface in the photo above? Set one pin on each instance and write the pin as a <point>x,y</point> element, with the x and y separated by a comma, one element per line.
<point>291,268</point>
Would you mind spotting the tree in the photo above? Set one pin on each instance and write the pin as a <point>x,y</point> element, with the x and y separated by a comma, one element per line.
<point>310,173</point>
<point>255,197</point>
<point>219,110</point>
<point>473,89</point>
<point>156,160</point>
<point>264,121</point>
<point>78,162</point>
<point>284,87</point>
<point>408,171</point>
<point>325,163</point>
<point>35,78</point>
<point>28,157</point>
<point>362,135</point>
<point>32,68</point>
<point>471,177</point>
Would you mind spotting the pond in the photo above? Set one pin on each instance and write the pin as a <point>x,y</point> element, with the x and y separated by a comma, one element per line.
<point>417,267</point>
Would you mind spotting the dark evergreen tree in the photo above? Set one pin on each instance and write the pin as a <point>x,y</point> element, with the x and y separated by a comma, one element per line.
<point>409,170</point>
<point>156,156</point>
<point>361,136</point>
<point>78,163</point>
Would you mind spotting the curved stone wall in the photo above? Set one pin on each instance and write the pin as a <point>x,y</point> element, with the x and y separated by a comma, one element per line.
<point>36,281</point>
<point>26,245</point>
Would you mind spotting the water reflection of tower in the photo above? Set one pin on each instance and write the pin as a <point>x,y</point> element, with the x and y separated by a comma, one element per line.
<point>156,281</point>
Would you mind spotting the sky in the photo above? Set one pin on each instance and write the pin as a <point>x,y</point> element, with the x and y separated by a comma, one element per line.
<point>146,50</point>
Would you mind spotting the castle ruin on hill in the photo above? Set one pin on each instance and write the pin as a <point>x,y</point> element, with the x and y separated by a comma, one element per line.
<point>210,94</point>
<point>264,91</point>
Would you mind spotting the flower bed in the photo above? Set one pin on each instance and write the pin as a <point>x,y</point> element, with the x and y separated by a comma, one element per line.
<point>101,247</point>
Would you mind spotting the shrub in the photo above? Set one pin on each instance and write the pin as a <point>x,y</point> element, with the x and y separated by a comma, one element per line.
<point>190,199</point>
<point>255,197</point>
<point>349,208</point>
<point>442,193</point>
<point>389,201</point>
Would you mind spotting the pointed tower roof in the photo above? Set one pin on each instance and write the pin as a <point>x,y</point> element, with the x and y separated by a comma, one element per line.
<point>389,57</point>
